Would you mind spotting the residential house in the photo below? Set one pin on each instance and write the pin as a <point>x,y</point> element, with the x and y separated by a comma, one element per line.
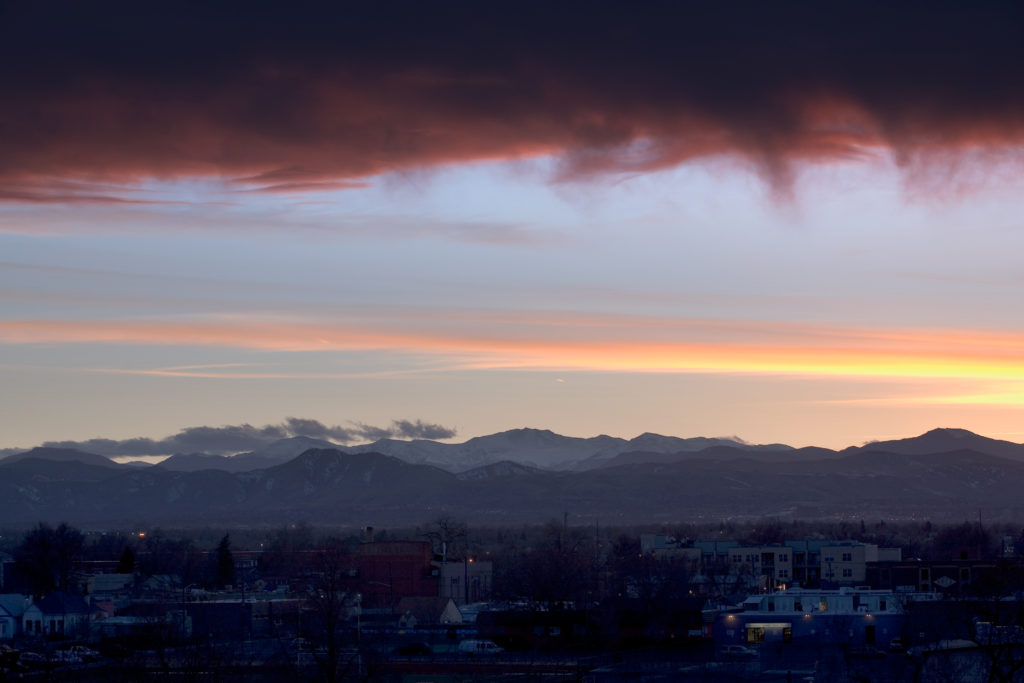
<point>113,588</point>
<point>12,609</point>
<point>57,614</point>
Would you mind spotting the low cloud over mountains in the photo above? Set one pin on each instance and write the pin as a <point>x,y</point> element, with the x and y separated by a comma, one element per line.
<point>230,439</point>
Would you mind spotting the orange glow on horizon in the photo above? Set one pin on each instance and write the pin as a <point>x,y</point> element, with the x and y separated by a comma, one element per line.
<point>683,346</point>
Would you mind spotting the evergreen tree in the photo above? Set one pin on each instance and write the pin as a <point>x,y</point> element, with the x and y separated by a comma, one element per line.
<point>126,565</point>
<point>225,562</point>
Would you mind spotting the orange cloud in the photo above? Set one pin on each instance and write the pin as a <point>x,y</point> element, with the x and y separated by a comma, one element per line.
<point>602,343</point>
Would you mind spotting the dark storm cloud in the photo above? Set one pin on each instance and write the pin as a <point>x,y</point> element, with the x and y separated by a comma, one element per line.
<point>289,97</point>
<point>231,439</point>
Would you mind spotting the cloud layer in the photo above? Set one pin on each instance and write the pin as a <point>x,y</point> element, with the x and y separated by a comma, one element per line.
<point>296,98</point>
<point>231,439</point>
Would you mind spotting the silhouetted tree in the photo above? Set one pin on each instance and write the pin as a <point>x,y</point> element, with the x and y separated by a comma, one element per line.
<point>225,571</point>
<point>283,553</point>
<point>162,555</point>
<point>766,533</point>
<point>449,536</point>
<point>968,540</point>
<point>126,565</point>
<point>329,601</point>
<point>561,568</point>
<point>46,557</point>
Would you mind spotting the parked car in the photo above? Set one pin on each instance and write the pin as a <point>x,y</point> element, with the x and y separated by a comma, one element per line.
<point>32,659</point>
<point>738,651</point>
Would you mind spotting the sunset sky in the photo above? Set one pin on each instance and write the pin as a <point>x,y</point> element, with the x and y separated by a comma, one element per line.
<point>797,222</point>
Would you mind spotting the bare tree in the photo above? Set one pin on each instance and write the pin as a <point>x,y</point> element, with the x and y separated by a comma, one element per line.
<point>330,600</point>
<point>46,557</point>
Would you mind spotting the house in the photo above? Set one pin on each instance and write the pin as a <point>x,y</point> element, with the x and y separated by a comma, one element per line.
<point>112,588</point>
<point>110,585</point>
<point>421,612</point>
<point>12,609</point>
<point>57,614</point>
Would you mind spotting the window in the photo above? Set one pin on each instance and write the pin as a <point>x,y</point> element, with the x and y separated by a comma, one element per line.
<point>847,573</point>
<point>847,557</point>
<point>798,606</point>
<point>771,605</point>
<point>882,605</point>
<point>784,558</point>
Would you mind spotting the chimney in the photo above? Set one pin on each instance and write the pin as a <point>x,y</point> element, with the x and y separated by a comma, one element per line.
<point>368,534</point>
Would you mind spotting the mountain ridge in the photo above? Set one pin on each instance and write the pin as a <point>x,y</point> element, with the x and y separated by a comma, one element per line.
<point>332,486</point>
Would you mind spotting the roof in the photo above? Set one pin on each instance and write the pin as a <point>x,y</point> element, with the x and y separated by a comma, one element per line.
<point>429,610</point>
<point>14,604</point>
<point>63,603</point>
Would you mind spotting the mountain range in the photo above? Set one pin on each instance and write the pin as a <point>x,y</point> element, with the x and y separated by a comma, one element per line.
<point>524,475</point>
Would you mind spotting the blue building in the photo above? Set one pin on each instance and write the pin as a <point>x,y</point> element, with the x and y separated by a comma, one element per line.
<point>849,616</point>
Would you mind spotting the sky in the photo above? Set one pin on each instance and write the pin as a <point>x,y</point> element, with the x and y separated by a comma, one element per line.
<point>797,222</point>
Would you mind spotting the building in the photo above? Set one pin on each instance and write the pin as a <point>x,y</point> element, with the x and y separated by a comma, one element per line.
<point>807,560</point>
<point>767,566</point>
<point>845,616</point>
<point>63,614</point>
<point>951,577</point>
<point>387,571</point>
<point>466,582</point>
<point>845,563</point>
<point>12,610</point>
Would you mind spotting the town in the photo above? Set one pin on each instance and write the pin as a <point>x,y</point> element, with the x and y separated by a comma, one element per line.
<point>768,601</point>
